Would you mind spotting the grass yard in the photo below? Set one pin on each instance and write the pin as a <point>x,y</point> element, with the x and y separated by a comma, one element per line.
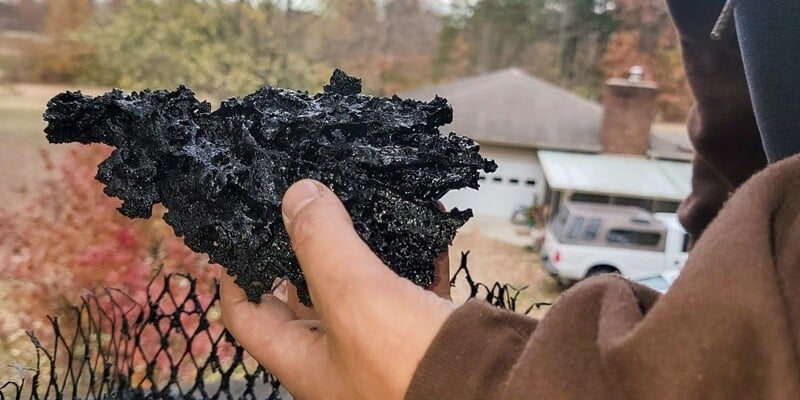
<point>21,164</point>
<point>20,124</point>
<point>22,140</point>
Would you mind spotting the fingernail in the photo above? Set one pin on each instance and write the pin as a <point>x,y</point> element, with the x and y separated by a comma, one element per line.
<point>297,197</point>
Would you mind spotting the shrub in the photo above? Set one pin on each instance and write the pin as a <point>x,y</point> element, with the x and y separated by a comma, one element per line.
<point>70,239</point>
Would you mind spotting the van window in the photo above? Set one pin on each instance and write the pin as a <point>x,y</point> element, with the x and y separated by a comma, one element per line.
<point>633,238</point>
<point>686,241</point>
<point>562,217</point>
<point>576,227</point>
<point>591,229</point>
<point>559,222</point>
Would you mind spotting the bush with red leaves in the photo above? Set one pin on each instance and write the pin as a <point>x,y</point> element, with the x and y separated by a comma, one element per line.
<point>70,241</point>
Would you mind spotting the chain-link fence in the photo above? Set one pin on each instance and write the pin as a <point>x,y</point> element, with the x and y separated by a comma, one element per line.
<point>172,346</point>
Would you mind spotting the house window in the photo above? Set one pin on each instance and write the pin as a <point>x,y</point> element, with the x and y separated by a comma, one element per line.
<point>482,178</point>
<point>530,182</point>
<point>497,179</point>
<point>513,181</point>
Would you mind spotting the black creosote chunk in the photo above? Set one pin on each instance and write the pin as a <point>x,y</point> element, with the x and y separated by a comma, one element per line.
<point>222,174</point>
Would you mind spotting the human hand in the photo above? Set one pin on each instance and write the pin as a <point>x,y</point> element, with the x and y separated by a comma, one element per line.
<point>440,287</point>
<point>374,326</point>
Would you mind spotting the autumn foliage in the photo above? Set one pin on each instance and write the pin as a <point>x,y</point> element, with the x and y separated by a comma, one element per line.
<point>645,36</point>
<point>223,47</point>
<point>70,241</point>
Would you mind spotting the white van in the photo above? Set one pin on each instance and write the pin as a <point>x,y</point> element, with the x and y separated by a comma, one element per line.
<point>587,239</point>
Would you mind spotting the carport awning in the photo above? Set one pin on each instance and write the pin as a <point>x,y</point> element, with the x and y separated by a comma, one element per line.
<point>616,175</point>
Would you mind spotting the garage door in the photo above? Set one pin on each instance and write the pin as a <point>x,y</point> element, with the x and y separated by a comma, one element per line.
<point>517,182</point>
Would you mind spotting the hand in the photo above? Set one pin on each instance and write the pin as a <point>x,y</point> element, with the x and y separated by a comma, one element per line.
<point>374,326</point>
<point>440,287</point>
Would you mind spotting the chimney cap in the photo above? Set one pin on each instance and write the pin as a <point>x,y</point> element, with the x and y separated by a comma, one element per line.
<point>635,79</point>
<point>636,73</point>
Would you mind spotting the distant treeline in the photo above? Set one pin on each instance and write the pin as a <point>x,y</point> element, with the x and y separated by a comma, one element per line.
<point>225,47</point>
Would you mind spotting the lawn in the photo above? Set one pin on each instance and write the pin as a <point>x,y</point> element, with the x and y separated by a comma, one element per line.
<point>22,140</point>
<point>20,125</point>
<point>21,164</point>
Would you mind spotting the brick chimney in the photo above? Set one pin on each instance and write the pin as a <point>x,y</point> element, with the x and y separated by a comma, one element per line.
<point>629,107</point>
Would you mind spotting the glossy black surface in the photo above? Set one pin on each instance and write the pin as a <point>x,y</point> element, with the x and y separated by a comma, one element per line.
<point>222,174</point>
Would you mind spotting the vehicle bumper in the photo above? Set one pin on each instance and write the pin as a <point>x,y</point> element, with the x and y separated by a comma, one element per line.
<point>549,266</point>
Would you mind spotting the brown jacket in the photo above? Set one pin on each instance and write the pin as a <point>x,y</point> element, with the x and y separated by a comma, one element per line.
<point>729,328</point>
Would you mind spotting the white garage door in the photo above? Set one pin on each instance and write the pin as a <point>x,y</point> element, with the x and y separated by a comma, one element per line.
<point>517,182</point>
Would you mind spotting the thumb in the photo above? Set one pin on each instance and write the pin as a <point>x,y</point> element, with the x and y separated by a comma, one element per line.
<point>334,259</point>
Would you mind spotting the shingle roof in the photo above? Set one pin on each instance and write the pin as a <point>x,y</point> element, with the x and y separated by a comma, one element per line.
<point>670,141</point>
<point>510,107</point>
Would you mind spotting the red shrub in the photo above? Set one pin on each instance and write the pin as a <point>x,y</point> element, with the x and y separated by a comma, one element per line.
<point>70,239</point>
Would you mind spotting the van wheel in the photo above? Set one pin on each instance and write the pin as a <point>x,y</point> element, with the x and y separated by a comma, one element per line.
<point>602,269</point>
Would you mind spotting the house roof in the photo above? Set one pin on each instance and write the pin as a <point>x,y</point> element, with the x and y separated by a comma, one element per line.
<point>511,108</point>
<point>617,175</point>
<point>670,141</point>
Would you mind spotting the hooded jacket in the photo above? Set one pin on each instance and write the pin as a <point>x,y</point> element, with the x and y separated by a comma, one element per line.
<point>728,328</point>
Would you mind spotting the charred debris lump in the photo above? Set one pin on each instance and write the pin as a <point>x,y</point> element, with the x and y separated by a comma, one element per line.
<point>221,174</point>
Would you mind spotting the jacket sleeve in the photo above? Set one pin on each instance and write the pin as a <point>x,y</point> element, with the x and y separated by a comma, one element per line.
<point>483,352</point>
<point>475,365</point>
<point>727,328</point>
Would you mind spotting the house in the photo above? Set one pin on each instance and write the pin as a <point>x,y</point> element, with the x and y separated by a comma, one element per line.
<point>552,145</point>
